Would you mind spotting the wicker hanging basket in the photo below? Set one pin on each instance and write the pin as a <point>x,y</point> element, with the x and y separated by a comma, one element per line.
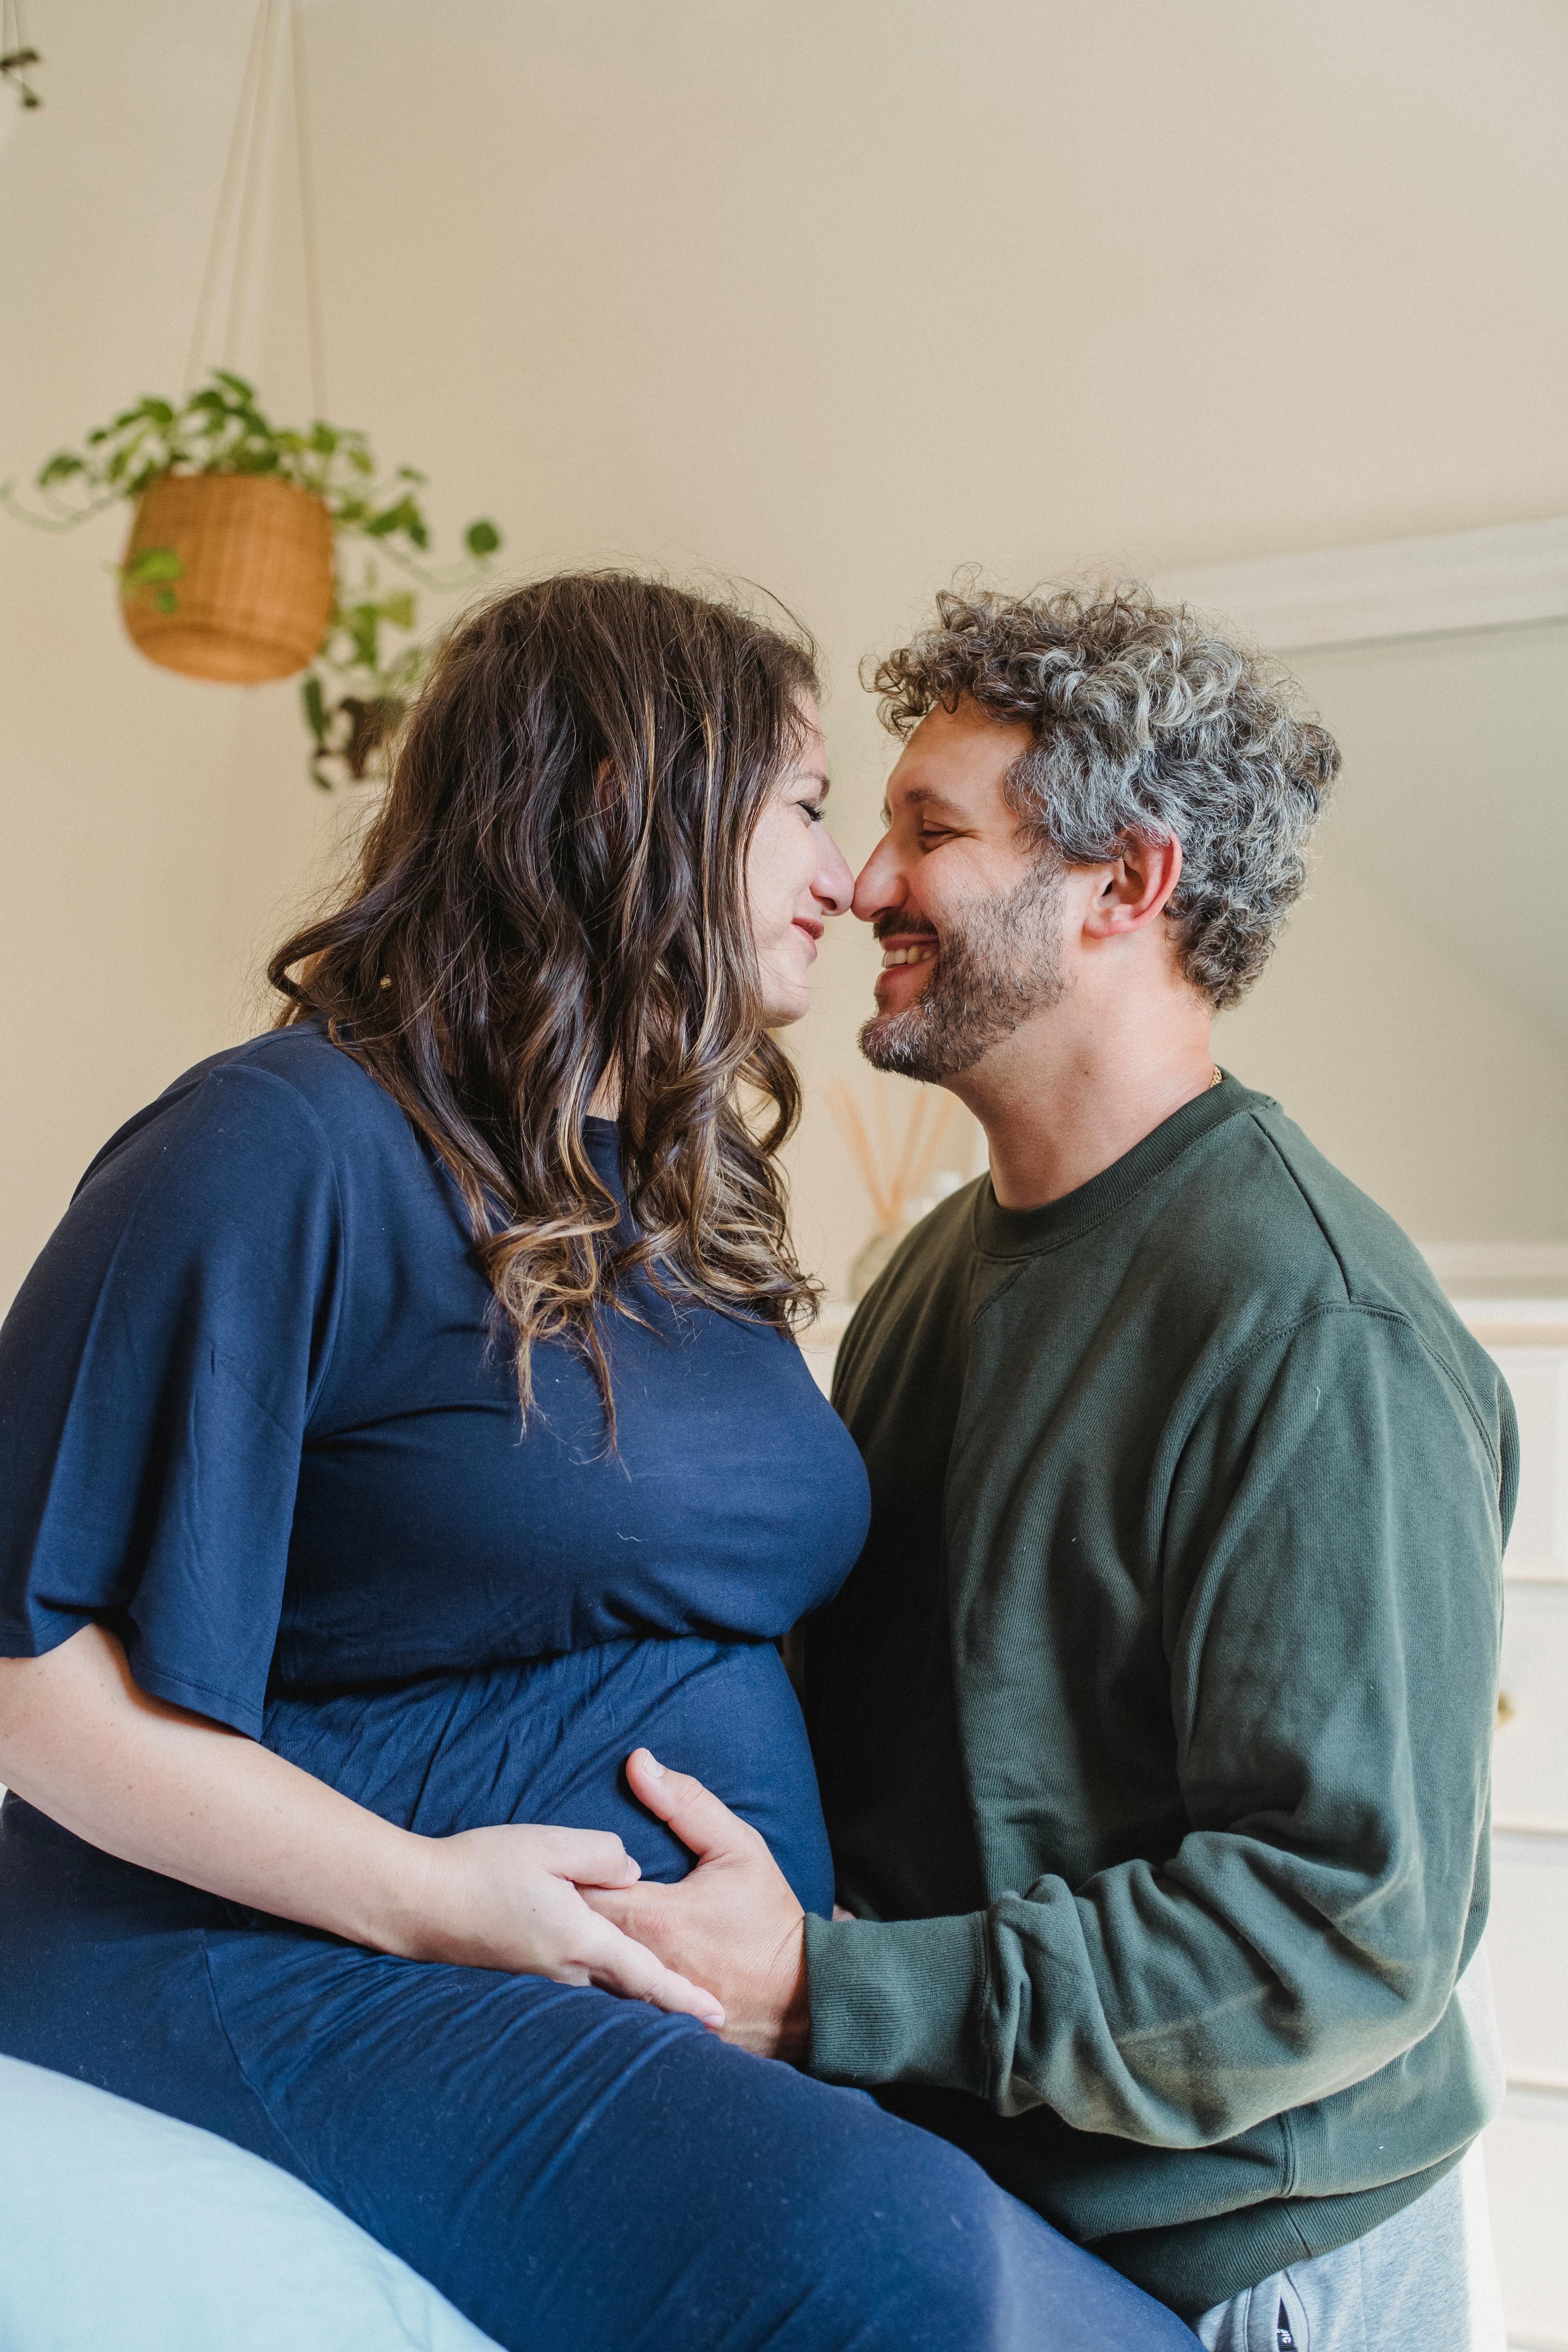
<point>254,592</point>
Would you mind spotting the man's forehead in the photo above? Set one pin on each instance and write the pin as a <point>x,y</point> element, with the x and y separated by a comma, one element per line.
<point>954,777</point>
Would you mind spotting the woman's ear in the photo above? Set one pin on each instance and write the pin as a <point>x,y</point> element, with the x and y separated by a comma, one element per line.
<point>1135,887</point>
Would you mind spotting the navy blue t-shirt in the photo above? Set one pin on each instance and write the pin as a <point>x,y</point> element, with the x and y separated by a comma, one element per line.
<point>254,1416</point>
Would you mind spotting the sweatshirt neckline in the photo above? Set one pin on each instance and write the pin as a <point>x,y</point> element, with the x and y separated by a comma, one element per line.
<point>1023,1232</point>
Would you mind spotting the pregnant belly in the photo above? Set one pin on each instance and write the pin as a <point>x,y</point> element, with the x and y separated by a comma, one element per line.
<point>547,1741</point>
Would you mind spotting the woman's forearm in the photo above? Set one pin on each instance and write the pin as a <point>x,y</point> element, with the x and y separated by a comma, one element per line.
<point>183,1795</point>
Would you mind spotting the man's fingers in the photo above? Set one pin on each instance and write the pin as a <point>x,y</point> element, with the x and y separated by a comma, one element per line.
<point>699,1819</point>
<point>620,1909</point>
<point>616,1964</point>
<point>589,1857</point>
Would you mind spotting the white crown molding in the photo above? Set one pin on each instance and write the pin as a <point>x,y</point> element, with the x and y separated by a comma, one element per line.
<point>1388,588</point>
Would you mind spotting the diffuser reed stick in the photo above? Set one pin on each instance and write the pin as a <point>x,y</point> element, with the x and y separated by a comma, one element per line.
<point>894,1171</point>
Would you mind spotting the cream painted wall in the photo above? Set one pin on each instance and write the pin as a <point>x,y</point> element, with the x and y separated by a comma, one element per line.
<point>833,298</point>
<point>1442,1096</point>
<point>1415,1017</point>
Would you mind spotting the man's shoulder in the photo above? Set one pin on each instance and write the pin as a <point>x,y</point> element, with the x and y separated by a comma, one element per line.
<point>1294,1227</point>
<point>1267,1234</point>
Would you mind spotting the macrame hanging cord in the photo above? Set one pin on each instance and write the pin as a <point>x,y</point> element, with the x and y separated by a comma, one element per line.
<point>232,252</point>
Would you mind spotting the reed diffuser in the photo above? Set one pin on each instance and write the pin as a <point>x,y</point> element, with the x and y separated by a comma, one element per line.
<point>894,1170</point>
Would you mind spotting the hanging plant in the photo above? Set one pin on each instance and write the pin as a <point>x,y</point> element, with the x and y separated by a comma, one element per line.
<point>255,551</point>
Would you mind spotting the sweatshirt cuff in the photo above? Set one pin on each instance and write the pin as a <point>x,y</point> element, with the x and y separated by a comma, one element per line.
<point>898,2000</point>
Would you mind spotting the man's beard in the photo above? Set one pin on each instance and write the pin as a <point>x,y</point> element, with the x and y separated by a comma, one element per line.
<point>997,964</point>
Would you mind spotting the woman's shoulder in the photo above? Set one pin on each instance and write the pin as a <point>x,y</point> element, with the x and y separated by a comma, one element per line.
<point>286,1108</point>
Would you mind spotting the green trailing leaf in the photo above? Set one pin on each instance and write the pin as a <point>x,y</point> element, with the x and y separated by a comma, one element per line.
<point>152,563</point>
<point>315,704</point>
<point>363,625</point>
<point>404,516</point>
<point>481,539</point>
<point>148,573</point>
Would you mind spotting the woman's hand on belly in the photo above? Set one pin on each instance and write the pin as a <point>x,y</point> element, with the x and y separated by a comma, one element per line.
<point>172,1792</point>
<point>508,1898</point>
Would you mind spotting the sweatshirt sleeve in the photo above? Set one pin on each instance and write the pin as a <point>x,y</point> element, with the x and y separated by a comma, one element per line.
<point>1329,1534</point>
<point>156,1375</point>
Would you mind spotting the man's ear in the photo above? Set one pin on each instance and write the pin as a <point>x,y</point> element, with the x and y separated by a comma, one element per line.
<point>1134,887</point>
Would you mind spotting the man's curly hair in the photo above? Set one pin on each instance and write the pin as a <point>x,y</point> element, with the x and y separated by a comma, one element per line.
<point>1145,723</point>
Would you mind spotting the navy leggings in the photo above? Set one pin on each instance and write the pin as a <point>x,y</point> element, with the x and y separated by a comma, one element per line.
<point>572,2171</point>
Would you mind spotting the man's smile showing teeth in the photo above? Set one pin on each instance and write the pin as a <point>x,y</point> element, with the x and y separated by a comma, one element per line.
<point>907,955</point>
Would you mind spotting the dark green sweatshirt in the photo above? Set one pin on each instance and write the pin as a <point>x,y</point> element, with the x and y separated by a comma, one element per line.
<point>1153,1722</point>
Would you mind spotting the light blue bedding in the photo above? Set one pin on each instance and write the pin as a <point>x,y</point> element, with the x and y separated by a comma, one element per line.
<point>122,2230</point>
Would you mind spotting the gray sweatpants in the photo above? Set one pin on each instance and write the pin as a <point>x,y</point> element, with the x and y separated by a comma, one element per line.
<point>1424,2282</point>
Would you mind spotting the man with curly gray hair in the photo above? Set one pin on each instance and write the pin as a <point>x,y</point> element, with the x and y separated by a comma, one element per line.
<point>1153,1723</point>
<point>1125,722</point>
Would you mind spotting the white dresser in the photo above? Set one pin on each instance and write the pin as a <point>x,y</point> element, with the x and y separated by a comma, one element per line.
<point>1527,1939</point>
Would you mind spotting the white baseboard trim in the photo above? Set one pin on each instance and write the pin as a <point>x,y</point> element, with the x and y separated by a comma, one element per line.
<point>1388,588</point>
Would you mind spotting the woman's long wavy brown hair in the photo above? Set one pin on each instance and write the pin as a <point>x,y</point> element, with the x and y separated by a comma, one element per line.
<point>553,893</point>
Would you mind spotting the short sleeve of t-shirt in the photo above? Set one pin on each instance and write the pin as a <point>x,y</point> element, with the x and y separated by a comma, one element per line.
<point>156,1377</point>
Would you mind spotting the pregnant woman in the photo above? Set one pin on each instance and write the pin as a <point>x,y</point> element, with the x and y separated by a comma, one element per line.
<point>403,1425</point>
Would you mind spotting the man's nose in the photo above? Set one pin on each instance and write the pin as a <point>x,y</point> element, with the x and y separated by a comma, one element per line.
<point>879,885</point>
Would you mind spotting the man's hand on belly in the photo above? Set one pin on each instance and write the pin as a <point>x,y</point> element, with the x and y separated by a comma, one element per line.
<point>732,1924</point>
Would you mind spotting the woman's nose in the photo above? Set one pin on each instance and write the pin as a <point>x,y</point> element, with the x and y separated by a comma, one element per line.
<point>834,888</point>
